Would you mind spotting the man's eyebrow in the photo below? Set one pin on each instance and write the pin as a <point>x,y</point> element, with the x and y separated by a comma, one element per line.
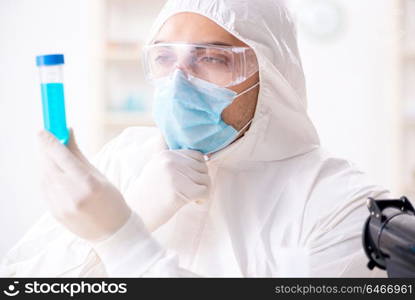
<point>218,43</point>
<point>214,43</point>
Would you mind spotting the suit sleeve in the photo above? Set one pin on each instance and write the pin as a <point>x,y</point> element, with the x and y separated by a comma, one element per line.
<point>133,252</point>
<point>335,247</point>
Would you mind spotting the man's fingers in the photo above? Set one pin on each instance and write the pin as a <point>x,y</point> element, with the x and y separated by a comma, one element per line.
<point>190,158</point>
<point>49,167</point>
<point>194,174</point>
<point>73,146</point>
<point>196,155</point>
<point>197,192</point>
<point>61,155</point>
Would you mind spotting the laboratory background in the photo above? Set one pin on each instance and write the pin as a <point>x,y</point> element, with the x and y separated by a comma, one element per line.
<point>358,57</point>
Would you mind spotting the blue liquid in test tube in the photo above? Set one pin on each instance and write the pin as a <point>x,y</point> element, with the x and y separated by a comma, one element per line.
<point>53,99</point>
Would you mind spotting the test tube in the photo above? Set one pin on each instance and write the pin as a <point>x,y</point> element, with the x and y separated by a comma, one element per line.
<point>53,100</point>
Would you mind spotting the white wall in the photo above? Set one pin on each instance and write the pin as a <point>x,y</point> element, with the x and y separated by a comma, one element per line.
<point>353,83</point>
<point>29,28</point>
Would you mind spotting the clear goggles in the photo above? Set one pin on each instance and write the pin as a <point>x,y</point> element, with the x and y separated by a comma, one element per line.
<point>222,65</point>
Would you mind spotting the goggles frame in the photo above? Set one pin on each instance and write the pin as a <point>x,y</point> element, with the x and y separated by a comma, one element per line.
<point>244,60</point>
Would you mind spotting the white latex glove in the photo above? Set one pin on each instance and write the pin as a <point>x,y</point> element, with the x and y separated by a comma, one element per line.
<point>78,195</point>
<point>171,179</point>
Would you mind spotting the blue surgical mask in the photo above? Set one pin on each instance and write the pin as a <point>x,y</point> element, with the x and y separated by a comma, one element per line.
<point>188,111</point>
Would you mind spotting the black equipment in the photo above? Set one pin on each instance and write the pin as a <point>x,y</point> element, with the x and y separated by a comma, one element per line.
<point>389,237</point>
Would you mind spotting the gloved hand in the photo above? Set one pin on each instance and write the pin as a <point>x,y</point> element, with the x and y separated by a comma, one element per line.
<point>78,195</point>
<point>170,180</point>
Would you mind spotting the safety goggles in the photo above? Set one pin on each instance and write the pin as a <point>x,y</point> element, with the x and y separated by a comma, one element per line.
<point>222,65</point>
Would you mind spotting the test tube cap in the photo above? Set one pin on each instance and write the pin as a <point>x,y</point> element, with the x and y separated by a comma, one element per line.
<point>50,60</point>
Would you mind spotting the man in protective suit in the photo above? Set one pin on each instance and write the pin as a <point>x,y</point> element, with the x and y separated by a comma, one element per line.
<point>232,182</point>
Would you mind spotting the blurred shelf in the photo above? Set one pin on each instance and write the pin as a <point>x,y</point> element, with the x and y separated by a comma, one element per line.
<point>122,27</point>
<point>128,119</point>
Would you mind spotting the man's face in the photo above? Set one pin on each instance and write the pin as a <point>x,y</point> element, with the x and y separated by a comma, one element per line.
<point>196,29</point>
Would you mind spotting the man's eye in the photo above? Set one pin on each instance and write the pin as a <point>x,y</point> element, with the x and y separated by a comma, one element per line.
<point>213,60</point>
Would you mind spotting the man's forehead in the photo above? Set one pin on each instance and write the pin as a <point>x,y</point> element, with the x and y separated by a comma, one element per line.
<point>199,42</point>
<point>195,29</point>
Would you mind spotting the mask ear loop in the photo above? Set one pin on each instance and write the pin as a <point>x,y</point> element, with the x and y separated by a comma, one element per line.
<point>206,156</point>
<point>247,90</point>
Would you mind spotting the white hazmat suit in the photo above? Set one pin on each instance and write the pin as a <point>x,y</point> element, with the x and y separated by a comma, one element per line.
<point>279,205</point>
